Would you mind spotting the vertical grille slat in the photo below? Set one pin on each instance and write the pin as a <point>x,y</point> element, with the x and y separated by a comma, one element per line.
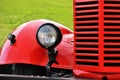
<point>86,31</point>
<point>112,33</point>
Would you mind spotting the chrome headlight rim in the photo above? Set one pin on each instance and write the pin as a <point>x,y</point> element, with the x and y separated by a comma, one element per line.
<point>58,39</point>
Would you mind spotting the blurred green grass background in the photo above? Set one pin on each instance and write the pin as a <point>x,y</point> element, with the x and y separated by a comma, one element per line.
<point>15,12</point>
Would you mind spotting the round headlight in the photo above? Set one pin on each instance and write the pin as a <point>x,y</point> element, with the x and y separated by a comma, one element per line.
<point>49,36</point>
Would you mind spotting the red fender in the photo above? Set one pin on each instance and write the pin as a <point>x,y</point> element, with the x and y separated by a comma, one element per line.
<point>27,50</point>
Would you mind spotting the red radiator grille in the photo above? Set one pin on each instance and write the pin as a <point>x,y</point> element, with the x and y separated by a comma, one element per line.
<point>97,35</point>
<point>112,33</point>
<point>86,32</point>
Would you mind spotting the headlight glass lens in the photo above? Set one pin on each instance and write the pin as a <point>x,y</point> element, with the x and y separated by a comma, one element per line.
<point>47,35</point>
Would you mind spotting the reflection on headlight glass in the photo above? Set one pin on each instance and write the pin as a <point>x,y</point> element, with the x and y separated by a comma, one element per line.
<point>47,38</point>
<point>47,35</point>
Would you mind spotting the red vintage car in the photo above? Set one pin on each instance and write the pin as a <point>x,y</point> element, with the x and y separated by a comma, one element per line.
<point>47,48</point>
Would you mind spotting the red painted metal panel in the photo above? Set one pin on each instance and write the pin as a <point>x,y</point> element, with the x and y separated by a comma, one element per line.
<point>111,43</point>
<point>86,48</point>
<point>90,16</point>
<point>112,16</point>
<point>111,21</point>
<point>111,55</point>
<point>112,5</point>
<point>87,54</point>
<point>93,32</point>
<point>97,38</point>
<point>87,11</point>
<point>86,27</point>
<point>111,10</point>
<point>84,6</point>
<point>27,50</point>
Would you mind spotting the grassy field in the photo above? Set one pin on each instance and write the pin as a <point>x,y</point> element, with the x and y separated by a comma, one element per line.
<point>16,12</point>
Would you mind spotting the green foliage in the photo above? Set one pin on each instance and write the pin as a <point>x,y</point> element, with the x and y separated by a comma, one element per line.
<point>16,12</point>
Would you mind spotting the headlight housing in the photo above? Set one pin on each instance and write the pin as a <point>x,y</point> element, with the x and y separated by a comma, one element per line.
<point>49,36</point>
